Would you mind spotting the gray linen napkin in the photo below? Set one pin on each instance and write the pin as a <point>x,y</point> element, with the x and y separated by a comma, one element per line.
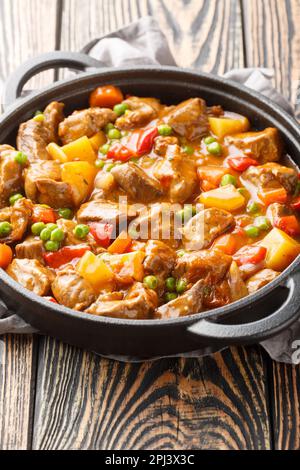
<point>144,43</point>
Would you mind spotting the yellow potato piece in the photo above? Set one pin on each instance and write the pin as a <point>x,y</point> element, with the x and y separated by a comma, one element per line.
<point>81,176</point>
<point>95,271</point>
<point>282,249</point>
<point>81,149</point>
<point>225,126</point>
<point>227,198</point>
<point>57,153</point>
<point>98,140</point>
<point>129,265</point>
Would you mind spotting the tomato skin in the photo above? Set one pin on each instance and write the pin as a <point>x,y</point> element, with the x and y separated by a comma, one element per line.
<point>102,233</point>
<point>252,254</point>
<point>6,256</point>
<point>146,141</point>
<point>106,97</point>
<point>241,163</point>
<point>44,214</point>
<point>64,256</point>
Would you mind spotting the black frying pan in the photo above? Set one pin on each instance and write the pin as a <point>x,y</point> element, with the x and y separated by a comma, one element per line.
<point>250,320</point>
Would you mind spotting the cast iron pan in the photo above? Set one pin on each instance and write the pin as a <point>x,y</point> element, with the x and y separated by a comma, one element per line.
<point>249,320</point>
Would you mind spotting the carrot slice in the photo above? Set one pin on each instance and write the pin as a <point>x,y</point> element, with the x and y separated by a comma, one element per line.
<point>121,244</point>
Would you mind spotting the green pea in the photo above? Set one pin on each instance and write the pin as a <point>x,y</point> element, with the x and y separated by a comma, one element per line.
<point>38,113</point>
<point>104,149</point>
<point>37,228</point>
<point>52,246</point>
<point>209,140</point>
<point>228,179</point>
<point>165,130</point>
<point>215,148</point>
<point>133,233</point>
<point>262,223</point>
<point>109,167</point>
<point>151,282</point>
<point>243,192</point>
<point>180,253</point>
<point>45,234</point>
<point>188,149</point>
<point>253,207</point>
<point>181,286</point>
<point>186,214</point>
<point>252,231</point>
<point>108,127</point>
<point>51,227</point>
<point>120,109</point>
<point>114,134</point>
<point>171,284</point>
<point>13,199</point>
<point>57,235</point>
<point>21,158</point>
<point>66,213</point>
<point>81,231</point>
<point>170,296</point>
<point>99,164</point>
<point>5,229</point>
<point>135,159</point>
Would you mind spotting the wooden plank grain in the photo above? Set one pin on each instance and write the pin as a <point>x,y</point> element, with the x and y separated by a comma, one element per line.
<point>273,40</point>
<point>27,27</point>
<point>218,402</point>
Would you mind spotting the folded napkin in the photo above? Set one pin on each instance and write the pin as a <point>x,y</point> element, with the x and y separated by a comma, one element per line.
<point>143,43</point>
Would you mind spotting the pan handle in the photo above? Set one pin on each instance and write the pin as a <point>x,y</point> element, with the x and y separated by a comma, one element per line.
<point>258,330</point>
<point>56,59</point>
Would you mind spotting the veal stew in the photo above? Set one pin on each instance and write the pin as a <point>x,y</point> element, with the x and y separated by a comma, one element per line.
<point>78,192</point>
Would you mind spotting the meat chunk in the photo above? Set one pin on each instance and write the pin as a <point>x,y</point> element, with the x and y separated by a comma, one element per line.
<point>160,258</point>
<point>161,144</point>
<point>205,227</point>
<point>177,174</point>
<point>271,175</point>
<point>32,275</point>
<point>19,216</point>
<point>43,185</point>
<point>212,265</point>
<point>275,211</point>
<point>261,279</point>
<point>31,248</point>
<point>140,112</point>
<point>11,180</point>
<point>34,136</point>
<point>136,183</point>
<point>238,288</point>
<point>139,303</point>
<point>84,123</point>
<point>265,146</point>
<point>71,290</point>
<point>188,304</point>
<point>189,119</point>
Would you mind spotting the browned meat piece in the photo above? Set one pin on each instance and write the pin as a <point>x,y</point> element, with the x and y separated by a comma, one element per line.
<point>189,119</point>
<point>140,112</point>
<point>160,258</point>
<point>215,111</point>
<point>119,215</point>
<point>265,146</point>
<point>261,279</point>
<point>271,175</point>
<point>84,123</point>
<point>205,264</point>
<point>138,304</point>
<point>11,180</point>
<point>19,216</point>
<point>136,183</point>
<point>43,185</point>
<point>188,304</point>
<point>276,210</point>
<point>217,295</point>
<point>32,275</point>
<point>161,144</point>
<point>200,231</point>
<point>33,137</point>
<point>177,173</point>
<point>237,285</point>
<point>31,248</point>
<point>71,290</point>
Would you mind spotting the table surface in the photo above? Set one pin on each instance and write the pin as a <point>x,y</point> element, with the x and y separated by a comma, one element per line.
<point>54,396</point>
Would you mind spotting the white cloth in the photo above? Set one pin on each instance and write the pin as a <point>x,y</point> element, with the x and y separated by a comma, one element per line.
<point>144,43</point>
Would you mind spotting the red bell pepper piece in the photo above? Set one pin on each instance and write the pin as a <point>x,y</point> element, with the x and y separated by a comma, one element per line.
<point>289,224</point>
<point>241,163</point>
<point>250,255</point>
<point>102,233</point>
<point>146,141</point>
<point>44,214</point>
<point>296,204</point>
<point>65,255</point>
<point>119,152</point>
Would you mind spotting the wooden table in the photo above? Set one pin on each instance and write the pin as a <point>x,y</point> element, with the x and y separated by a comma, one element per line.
<point>54,396</point>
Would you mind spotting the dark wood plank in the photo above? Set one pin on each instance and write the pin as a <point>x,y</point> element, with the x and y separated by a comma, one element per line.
<point>272,40</point>
<point>218,402</point>
<point>25,31</point>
